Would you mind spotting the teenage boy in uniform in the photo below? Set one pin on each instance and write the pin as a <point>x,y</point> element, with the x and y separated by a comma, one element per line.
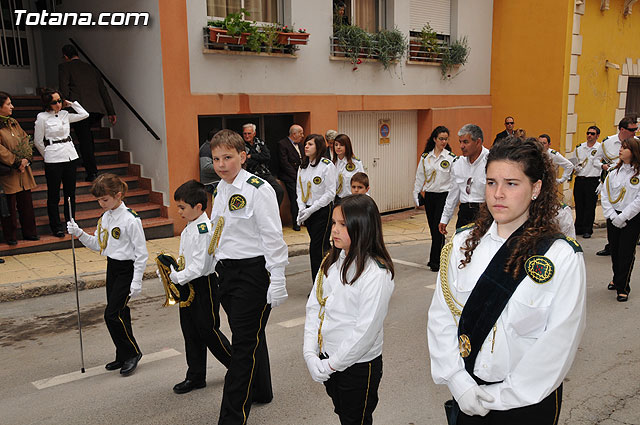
<point>200,320</point>
<point>250,255</point>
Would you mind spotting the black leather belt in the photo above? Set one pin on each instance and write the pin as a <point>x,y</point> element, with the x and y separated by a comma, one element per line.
<point>472,205</point>
<point>235,263</point>
<point>48,142</point>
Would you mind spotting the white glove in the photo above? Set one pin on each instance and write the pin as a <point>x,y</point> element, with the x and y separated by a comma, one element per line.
<point>316,370</point>
<point>619,221</point>
<point>135,288</point>
<point>74,229</point>
<point>415,201</point>
<point>470,401</point>
<point>559,181</point>
<point>303,216</point>
<point>326,367</point>
<point>277,292</point>
<point>174,276</point>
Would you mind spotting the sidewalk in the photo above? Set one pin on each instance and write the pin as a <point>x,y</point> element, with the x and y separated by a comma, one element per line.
<point>49,272</point>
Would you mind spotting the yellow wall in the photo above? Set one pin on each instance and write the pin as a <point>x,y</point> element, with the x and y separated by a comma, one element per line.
<point>609,36</point>
<point>530,54</point>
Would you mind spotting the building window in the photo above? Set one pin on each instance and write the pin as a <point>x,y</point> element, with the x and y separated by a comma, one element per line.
<point>633,96</point>
<point>436,13</point>
<point>367,14</point>
<point>13,39</point>
<point>267,11</point>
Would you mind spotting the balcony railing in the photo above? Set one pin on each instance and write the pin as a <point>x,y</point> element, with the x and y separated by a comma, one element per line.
<point>339,51</point>
<point>420,53</point>
<point>227,48</point>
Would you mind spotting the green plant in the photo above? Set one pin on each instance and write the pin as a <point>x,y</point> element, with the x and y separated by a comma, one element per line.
<point>270,40</point>
<point>429,40</point>
<point>353,41</point>
<point>456,54</point>
<point>235,24</point>
<point>390,45</point>
<point>255,39</point>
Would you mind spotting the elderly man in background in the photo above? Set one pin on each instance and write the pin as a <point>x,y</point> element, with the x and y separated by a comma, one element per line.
<point>330,137</point>
<point>258,159</point>
<point>291,151</point>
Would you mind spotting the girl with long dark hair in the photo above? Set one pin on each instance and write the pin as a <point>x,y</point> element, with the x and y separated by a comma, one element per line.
<point>346,164</point>
<point>346,310</point>
<point>433,180</point>
<point>509,308</point>
<point>620,198</point>
<point>316,189</point>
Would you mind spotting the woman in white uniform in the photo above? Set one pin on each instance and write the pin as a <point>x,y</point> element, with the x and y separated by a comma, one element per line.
<point>346,164</point>
<point>509,308</point>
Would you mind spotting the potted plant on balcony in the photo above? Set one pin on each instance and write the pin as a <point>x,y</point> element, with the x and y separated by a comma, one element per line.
<point>353,42</point>
<point>232,30</point>
<point>289,36</point>
<point>390,46</point>
<point>455,55</point>
<point>430,45</point>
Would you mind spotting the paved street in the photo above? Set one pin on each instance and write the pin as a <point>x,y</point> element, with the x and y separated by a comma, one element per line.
<point>39,343</point>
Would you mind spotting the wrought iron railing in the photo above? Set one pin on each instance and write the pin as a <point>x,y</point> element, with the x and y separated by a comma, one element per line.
<point>289,49</point>
<point>14,52</point>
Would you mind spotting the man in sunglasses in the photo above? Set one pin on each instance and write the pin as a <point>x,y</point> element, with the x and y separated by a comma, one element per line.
<point>468,174</point>
<point>608,153</point>
<point>509,124</point>
<point>587,171</point>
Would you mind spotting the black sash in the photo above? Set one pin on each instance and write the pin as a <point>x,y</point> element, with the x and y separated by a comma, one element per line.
<point>489,298</point>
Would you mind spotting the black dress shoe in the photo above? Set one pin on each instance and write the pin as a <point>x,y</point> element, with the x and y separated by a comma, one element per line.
<point>586,235</point>
<point>188,385</point>
<point>603,252</point>
<point>32,238</point>
<point>1,261</point>
<point>58,233</point>
<point>114,365</point>
<point>622,298</point>
<point>296,227</point>
<point>129,365</point>
<point>12,242</point>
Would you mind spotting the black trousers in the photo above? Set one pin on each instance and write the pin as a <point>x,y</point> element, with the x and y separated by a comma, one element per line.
<point>354,392</point>
<point>319,229</point>
<point>585,198</point>
<point>546,412</point>
<point>293,199</point>
<point>200,324</point>
<point>19,203</point>
<point>467,213</point>
<point>56,173</point>
<point>85,138</point>
<point>433,207</point>
<point>276,186</point>
<point>243,288</point>
<point>117,315</point>
<point>622,244</point>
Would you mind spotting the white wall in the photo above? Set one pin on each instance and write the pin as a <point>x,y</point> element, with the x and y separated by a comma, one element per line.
<point>313,73</point>
<point>131,58</point>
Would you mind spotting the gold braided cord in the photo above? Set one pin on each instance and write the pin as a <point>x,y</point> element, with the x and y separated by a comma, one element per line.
<point>620,195</point>
<point>321,300</point>
<point>604,150</point>
<point>452,303</point>
<point>340,181</point>
<point>180,263</point>
<point>215,239</point>
<point>103,236</point>
<point>192,294</point>
<point>424,171</point>
<point>304,197</point>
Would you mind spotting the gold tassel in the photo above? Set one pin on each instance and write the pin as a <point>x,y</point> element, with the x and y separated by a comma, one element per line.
<point>103,236</point>
<point>215,240</point>
<point>304,197</point>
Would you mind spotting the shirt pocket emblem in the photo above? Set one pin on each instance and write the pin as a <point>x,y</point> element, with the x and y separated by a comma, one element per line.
<point>350,167</point>
<point>237,202</point>
<point>115,233</point>
<point>634,180</point>
<point>539,268</point>
<point>317,180</point>
<point>445,164</point>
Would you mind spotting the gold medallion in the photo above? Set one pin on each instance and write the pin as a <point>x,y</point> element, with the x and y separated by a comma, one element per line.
<point>464,345</point>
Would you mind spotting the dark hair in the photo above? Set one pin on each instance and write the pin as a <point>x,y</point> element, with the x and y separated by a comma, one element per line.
<point>192,193</point>
<point>361,178</point>
<point>546,136</point>
<point>629,119</point>
<point>69,51</point>
<point>47,96</point>
<point>541,223</point>
<point>108,184</point>
<point>431,141</point>
<point>3,97</point>
<point>212,133</point>
<point>633,145</point>
<point>228,139</point>
<point>345,141</point>
<point>364,226</point>
<point>321,146</point>
<point>595,127</point>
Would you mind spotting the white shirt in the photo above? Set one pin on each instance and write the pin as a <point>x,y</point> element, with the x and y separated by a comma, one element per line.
<point>252,224</point>
<point>629,203</point>
<point>461,171</point>
<point>588,163</point>
<point>354,315</point>
<point>565,221</point>
<point>125,241</point>
<point>560,161</point>
<point>318,184</point>
<point>609,150</point>
<point>194,246</point>
<point>52,126</point>
<point>345,172</point>
<point>437,170</point>
<point>537,334</point>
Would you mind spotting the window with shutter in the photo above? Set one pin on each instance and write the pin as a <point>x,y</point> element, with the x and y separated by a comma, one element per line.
<point>435,12</point>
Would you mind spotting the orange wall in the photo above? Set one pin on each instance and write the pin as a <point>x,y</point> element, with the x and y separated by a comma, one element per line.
<point>530,57</point>
<point>316,113</point>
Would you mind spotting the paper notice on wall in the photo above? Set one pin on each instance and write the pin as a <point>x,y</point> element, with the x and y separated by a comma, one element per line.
<point>384,131</point>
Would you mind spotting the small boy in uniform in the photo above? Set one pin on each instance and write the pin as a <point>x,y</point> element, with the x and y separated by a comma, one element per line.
<point>200,320</point>
<point>360,184</point>
<point>250,256</point>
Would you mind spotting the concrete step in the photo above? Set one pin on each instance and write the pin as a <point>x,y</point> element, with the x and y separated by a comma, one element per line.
<point>105,157</point>
<point>82,187</point>
<point>87,201</point>
<point>121,169</point>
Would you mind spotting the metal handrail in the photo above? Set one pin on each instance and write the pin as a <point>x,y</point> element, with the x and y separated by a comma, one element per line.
<point>115,90</point>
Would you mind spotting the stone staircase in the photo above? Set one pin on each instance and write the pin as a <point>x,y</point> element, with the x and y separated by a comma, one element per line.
<point>109,158</point>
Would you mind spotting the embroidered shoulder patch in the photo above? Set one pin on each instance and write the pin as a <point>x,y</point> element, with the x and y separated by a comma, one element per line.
<point>539,268</point>
<point>255,181</point>
<point>380,263</point>
<point>350,167</point>
<point>115,233</point>
<point>317,180</point>
<point>135,214</point>
<point>215,191</point>
<point>355,157</point>
<point>465,227</point>
<point>202,228</point>
<point>237,202</point>
<point>326,161</point>
<point>574,243</point>
<point>445,164</point>
<point>452,154</point>
<point>424,155</point>
<point>634,180</point>
<point>553,152</point>
<point>605,138</point>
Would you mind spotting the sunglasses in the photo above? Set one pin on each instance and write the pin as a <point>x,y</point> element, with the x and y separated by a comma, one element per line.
<point>509,123</point>
<point>468,188</point>
<point>591,133</point>
<point>633,130</point>
<point>55,101</point>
